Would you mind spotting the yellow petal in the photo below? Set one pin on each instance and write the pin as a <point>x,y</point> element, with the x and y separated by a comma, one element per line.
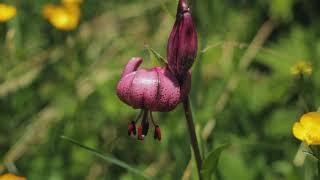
<point>6,12</point>
<point>313,136</point>
<point>302,68</point>
<point>9,176</point>
<point>310,120</point>
<point>48,10</point>
<point>298,131</point>
<point>71,1</point>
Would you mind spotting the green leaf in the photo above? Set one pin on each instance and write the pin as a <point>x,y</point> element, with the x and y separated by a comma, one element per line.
<point>210,163</point>
<point>108,158</point>
<point>154,55</point>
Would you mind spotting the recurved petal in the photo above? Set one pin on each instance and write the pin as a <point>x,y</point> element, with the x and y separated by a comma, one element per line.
<point>143,90</point>
<point>123,87</point>
<point>132,65</point>
<point>169,91</point>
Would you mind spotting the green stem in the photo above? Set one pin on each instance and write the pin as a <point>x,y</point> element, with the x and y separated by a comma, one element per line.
<point>315,149</point>
<point>318,160</point>
<point>318,169</point>
<point>192,133</point>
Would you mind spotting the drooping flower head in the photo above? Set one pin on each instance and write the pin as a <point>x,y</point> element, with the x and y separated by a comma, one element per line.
<point>308,128</point>
<point>7,12</point>
<point>183,42</point>
<point>155,89</point>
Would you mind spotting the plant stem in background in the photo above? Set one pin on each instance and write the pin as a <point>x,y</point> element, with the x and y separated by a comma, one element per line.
<point>192,133</point>
<point>318,160</point>
<point>318,165</point>
<point>315,150</point>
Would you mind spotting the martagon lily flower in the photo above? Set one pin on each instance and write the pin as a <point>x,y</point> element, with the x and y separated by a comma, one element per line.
<point>183,42</point>
<point>150,90</point>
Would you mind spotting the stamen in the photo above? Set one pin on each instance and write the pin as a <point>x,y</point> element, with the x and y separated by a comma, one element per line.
<point>151,117</point>
<point>139,116</point>
<point>145,122</point>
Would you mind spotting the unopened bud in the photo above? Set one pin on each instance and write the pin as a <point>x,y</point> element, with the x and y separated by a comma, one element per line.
<point>183,42</point>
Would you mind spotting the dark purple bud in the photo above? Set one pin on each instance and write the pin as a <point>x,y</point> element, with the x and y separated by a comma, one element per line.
<point>183,42</point>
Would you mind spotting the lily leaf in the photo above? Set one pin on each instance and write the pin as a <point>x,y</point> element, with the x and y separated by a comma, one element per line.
<point>107,157</point>
<point>210,163</point>
<point>155,55</point>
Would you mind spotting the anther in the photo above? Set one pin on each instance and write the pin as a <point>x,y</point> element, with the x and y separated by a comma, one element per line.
<point>157,133</point>
<point>140,135</point>
<point>132,128</point>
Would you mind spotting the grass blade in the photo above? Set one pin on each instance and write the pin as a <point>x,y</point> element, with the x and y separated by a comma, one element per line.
<point>108,158</point>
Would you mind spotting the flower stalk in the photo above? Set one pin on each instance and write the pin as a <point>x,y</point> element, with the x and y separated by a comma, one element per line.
<point>315,150</point>
<point>192,133</point>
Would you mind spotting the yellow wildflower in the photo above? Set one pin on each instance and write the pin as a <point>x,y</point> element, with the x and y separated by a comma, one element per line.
<point>9,176</point>
<point>302,68</point>
<point>64,17</point>
<point>308,129</point>
<point>71,1</point>
<point>7,12</point>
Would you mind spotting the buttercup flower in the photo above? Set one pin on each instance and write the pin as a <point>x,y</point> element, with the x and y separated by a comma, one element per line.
<point>183,42</point>
<point>71,1</point>
<point>302,68</point>
<point>7,12</point>
<point>9,176</point>
<point>150,90</point>
<point>308,128</point>
<point>63,17</point>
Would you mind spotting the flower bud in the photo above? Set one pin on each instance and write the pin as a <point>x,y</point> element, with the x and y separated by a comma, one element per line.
<point>183,42</point>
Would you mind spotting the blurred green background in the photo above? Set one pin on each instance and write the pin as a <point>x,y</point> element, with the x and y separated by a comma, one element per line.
<point>55,83</point>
